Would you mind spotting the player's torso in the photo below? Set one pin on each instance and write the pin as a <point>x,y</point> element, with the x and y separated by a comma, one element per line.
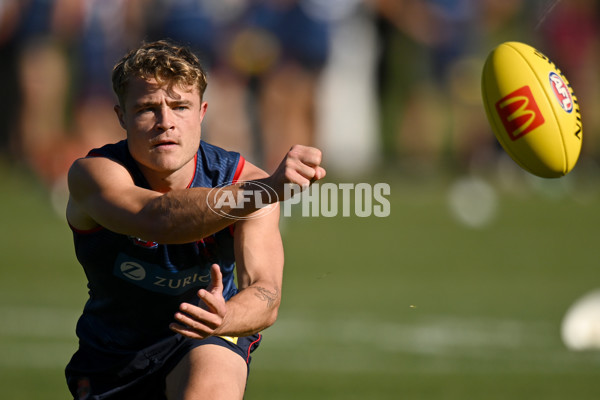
<point>136,285</point>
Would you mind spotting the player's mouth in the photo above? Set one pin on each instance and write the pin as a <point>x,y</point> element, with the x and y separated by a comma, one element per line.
<point>163,144</point>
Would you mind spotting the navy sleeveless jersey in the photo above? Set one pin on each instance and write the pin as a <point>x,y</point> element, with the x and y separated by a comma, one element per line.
<point>136,286</point>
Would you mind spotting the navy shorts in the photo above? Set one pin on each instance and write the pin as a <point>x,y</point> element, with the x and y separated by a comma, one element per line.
<point>95,375</point>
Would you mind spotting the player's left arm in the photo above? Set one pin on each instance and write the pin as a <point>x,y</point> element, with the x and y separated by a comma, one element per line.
<point>259,265</point>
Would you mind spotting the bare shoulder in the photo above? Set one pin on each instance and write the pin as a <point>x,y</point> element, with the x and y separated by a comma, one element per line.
<point>88,179</point>
<point>93,173</point>
<point>95,165</point>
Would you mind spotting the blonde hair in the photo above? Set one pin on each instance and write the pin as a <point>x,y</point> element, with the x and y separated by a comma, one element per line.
<point>166,62</point>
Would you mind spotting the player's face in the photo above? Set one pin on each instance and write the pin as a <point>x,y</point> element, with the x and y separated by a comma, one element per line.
<point>163,126</point>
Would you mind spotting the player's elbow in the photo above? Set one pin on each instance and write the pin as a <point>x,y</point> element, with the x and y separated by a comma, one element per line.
<point>272,317</point>
<point>273,310</point>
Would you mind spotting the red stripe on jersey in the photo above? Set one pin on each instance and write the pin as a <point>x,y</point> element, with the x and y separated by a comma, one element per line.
<point>238,170</point>
<point>195,169</point>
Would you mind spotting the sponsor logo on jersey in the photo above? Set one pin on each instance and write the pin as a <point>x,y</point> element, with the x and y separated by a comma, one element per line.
<point>155,278</point>
<point>519,113</point>
<point>133,271</point>
<point>561,91</point>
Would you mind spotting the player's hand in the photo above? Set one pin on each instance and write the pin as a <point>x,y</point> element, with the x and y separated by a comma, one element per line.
<point>199,322</point>
<point>301,166</point>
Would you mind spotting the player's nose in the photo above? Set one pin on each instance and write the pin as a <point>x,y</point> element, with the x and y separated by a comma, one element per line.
<point>164,118</point>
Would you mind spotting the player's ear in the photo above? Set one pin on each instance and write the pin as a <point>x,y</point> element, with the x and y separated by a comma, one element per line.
<point>203,108</point>
<point>120,115</point>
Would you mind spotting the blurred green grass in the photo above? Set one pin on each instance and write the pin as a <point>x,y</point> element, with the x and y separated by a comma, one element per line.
<point>415,305</point>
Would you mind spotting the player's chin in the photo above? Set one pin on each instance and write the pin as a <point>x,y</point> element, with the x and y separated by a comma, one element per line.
<point>169,161</point>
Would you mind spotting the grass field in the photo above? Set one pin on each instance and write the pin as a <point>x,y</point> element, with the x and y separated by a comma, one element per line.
<point>413,306</point>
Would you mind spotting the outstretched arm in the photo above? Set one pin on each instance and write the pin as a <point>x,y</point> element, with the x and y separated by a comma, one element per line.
<point>103,193</point>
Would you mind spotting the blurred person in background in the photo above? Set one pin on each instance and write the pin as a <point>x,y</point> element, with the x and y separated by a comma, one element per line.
<point>9,17</point>
<point>65,106</point>
<point>430,73</point>
<point>105,30</point>
<point>282,49</point>
<point>42,84</point>
<point>65,52</point>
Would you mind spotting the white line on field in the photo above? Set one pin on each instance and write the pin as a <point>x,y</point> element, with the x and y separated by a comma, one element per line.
<point>436,343</point>
<point>45,337</point>
<point>430,335</point>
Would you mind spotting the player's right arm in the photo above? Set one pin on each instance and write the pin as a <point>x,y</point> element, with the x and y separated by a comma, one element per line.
<point>102,192</point>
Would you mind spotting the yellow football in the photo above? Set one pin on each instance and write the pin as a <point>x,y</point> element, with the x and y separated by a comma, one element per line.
<point>532,110</point>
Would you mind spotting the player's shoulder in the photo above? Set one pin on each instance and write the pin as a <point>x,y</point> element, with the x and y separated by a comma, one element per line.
<point>106,162</point>
<point>117,152</point>
<point>90,164</point>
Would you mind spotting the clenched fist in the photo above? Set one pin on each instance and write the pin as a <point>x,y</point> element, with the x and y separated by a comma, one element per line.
<point>301,166</point>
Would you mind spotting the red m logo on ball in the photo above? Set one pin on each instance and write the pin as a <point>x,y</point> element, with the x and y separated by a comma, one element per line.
<point>519,113</point>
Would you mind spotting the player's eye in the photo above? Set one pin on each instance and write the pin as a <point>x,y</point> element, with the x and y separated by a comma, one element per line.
<point>144,110</point>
